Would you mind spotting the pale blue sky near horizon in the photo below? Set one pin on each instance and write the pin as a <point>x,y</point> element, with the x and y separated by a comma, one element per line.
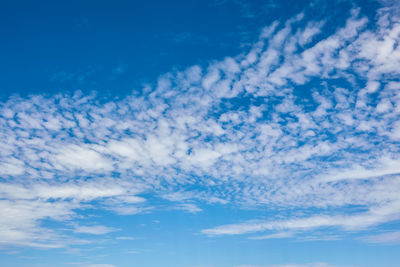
<point>216,133</point>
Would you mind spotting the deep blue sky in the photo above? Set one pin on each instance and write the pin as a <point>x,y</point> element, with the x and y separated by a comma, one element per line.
<point>115,47</point>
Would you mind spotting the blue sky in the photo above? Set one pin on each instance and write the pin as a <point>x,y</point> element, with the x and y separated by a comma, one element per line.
<point>221,133</point>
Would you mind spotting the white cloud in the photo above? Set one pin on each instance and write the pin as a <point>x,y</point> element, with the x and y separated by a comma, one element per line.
<point>274,236</point>
<point>387,166</point>
<point>94,229</point>
<point>237,132</point>
<point>387,238</point>
<point>189,207</point>
<point>350,222</point>
<point>21,225</point>
<point>78,157</point>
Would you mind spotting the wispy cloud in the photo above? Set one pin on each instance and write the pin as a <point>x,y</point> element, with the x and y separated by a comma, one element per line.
<point>387,238</point>
<point>94,230</point>
<point>349,222</point>
<point>189,207</point>
<point>273,236</point>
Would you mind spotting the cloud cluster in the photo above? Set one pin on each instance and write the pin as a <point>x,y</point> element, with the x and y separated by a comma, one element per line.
<point>302,120</point>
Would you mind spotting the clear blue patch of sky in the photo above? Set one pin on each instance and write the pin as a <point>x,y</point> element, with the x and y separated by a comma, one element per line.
<point>49,47</point>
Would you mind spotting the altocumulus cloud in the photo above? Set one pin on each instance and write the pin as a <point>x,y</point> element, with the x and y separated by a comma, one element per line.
<point>237,132</point>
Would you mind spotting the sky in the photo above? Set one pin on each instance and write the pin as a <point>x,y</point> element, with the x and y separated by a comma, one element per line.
<point>214,133</point>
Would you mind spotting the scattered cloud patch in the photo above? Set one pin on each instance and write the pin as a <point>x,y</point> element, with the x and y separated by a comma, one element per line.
<point>94,230</point>
<point>192,208</point>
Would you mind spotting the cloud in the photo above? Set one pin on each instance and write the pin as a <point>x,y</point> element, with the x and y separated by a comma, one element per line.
<point>273,236</point>
<point>188,207</point>
<point>385,238</point>
<point>388,167</point>
<point>307,118</point>
<point>349,222</point>
<point>94,230</point>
